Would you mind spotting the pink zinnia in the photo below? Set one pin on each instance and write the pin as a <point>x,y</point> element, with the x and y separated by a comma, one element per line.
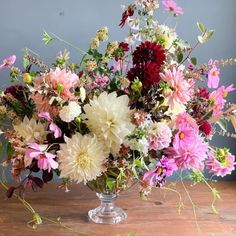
<point>182,89</point>
<point>213,77</point>
<point>221,166</point>
<point>8,62</point>
<point>171,6</point>
<point>63,82</point>
<point>45,159</point>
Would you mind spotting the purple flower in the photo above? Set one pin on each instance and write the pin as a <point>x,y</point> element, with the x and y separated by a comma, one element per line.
<point>45,159</point>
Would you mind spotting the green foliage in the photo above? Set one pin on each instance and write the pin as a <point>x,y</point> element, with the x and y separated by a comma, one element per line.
<point>10,150</point>
<point>196,177</point>
<point>206,34</point>
<point>223,124</point>
<point>1,148</point>
<point>194,61</point>
<point>47,39</point>
<point>180,57</point>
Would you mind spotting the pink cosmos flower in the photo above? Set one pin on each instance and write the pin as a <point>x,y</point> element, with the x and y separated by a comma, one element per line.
<point>191,154</point>
<point>213,77</point>
<point>182,89</point>
<point>164,168</point>
<point>221,166</point>
<point>185,136</point>
<point>52,127</point>
<point>224,91</point>
<point>171,6</point>
<point>63,82</point>
<point>8,62</point>
<point>45,159</point>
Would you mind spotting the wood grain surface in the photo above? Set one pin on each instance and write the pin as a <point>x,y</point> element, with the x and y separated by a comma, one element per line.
<point>157,216</point>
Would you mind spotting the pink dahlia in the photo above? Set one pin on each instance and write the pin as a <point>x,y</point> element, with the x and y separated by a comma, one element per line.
<point>191,154</point>
<point>182,89</point>
<point>221,165</point>
<point>160,136</point>
<point>185,119</point>
<point>62,82</point>
<point>171,6</point>
<point>45,159</point>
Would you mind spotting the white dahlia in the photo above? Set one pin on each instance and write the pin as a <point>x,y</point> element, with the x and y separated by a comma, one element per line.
<point>108,116</point>
<point>70,112</point>
<point>31,130</point>
<point>81,158</point>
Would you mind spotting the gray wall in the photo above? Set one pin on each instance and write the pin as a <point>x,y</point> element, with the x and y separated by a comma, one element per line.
<point>22,23</point>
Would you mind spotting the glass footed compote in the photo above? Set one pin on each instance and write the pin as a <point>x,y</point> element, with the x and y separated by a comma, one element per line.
<point>107,212</point>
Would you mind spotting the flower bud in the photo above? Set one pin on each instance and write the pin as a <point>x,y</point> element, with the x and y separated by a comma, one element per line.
<point>27,78</point>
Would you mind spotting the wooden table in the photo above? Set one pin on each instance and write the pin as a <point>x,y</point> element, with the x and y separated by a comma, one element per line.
<point>156,217</point>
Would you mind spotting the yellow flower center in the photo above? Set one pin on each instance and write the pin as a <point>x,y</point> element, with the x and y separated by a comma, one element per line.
<point>225,94</point>
<point>217,107</point>
<point>82,160</point>
<point>159,170</point>
<point>181,135</point>
<point>214,73</point>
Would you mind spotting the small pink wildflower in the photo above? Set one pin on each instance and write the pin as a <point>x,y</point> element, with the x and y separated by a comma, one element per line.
<point>45,159</point>
<point>213,77</point>
<point>171,6</point>
<point>8,62</point>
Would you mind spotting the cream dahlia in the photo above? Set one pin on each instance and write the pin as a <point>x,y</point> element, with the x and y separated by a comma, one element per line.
<point>31,130</point>
<point>81,158</point>
<point>70,112</point>
<point>108,116</point>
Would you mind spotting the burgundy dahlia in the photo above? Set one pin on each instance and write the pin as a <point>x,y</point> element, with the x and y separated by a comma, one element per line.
<point>17,91</point>
<point>149,52</point>
<point>203,93</point>
<point>147,73</point>
<point>206,128</point>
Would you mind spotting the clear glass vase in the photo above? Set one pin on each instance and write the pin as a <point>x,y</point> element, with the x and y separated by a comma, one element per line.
<point>107,212</point>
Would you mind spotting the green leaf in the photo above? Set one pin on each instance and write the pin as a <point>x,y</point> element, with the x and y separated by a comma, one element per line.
<point>214,210</point>
<point>138,163</point>
<point>10,150</point>
<point>180,57</point>
<point>110,183</point>
<point>207,116</point>
<point>210,33</point>
<point>223,124</point>
<point>47,39</point>
<point>201,27</point>
<point>131,234</point>
<point>194,61</point>
<point>25,62</point>
<point>1,149</point>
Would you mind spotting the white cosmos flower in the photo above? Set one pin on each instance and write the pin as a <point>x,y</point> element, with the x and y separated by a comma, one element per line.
<point>108,116</point>
<point>31,130</point>
<point>70,112</point>
<point>81,158</point>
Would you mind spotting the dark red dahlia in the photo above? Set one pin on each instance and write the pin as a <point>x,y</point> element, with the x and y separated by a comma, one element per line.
<point>128,12</point>
<point>17,91</point>
<point>203,93</point>
<point>120,52</point>
<point>124,46</point>
<point>147,73</point>
<point>206,128</point>
<point>149,52</point>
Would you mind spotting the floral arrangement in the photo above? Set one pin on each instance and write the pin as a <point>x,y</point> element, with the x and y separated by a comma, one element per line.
<point>140,111</point>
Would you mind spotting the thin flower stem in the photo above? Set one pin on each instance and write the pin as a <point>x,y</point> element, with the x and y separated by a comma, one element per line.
<point>68,43</point>
<point>192,203</point>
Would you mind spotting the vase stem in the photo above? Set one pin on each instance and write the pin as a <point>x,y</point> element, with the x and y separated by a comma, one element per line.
<point>107,212</point>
